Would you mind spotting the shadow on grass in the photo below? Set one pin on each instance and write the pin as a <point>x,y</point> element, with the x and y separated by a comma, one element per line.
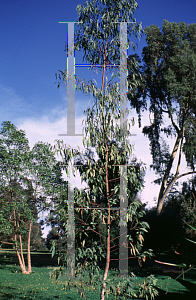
<point>189,285</point>
<point>175,296</point>
<point>37,259</point>
<point>190,294</point>
<point>29,296</point>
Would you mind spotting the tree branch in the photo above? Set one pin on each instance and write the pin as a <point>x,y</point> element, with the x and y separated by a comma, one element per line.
<point>159,207</point>
<point>6,243</point>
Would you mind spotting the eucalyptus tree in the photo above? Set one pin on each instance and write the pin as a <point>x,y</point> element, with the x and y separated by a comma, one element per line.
<point>99,37</point>
<point>168,81</point>
<point>29,179</point>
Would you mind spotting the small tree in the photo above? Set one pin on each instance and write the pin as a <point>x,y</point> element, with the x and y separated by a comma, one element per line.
<point>97,229</point>
<point>110,143</point>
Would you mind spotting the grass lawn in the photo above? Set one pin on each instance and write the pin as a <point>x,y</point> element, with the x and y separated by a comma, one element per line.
<point>37,285</point>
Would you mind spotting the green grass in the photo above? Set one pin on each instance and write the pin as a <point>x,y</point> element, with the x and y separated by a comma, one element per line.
<point>37,285</point>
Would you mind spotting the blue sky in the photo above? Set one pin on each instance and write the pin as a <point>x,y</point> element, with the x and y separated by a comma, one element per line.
<point>32,51</point>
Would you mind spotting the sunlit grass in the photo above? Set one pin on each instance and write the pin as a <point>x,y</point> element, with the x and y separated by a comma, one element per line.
<point>37,285</point>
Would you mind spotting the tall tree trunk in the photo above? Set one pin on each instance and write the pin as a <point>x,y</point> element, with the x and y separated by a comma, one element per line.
<point>161,197</point>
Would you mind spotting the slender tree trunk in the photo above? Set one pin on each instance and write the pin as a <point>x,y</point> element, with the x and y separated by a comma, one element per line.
<point>22,265</point>
<point>21,249</point>
<point>107,189</point>
<point>108,224</point>
<point>29,249</point>
<point>107,263</point>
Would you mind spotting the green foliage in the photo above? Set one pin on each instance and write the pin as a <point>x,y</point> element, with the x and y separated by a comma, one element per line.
<point>96,230</point>
<point>7,213</point>
<point>28,178</point>
<point>167,89</point>
<point>13,169</point>
<point>98,29</point>
<point>146,288</point>
<point>37,241</point>
<point>88,274</point>
<point>52,235</point>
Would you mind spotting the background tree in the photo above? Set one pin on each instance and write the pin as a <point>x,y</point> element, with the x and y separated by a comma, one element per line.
<point>99,37</point>
<point>184,200</point>
<point>52,235</point>
<point>28,179</point>
<point>167,82</point>
<point>37,241</point>
<point>168,231</point>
